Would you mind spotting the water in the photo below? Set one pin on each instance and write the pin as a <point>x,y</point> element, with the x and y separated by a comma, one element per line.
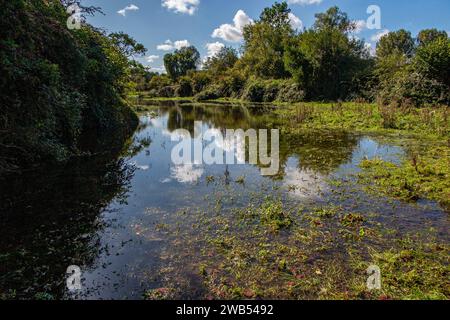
<point>115,216</point>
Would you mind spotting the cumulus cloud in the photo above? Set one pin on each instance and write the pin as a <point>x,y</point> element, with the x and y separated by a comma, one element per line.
<point>181,6</point>
<point>304,2</point>
<point>151,58</point>
<point>214,48</point>
<point>233,32</point>
<point>295,21</point>
<point>360,25</point>
<point>376,37</point>
<point>168,45</point>
<point>131,7</point>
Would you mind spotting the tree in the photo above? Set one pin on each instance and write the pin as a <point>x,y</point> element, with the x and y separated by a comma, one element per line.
<point>333,19</point>
<point>127,45</point>
<point>178,64</point>
<point>398,43</point>
<point>264,43</point>
<point>324,60</point>
<point>393,54</point>
<point>429,35</point>
<point>433,60</point>
<point>225,59</point>
<point>277,16</point>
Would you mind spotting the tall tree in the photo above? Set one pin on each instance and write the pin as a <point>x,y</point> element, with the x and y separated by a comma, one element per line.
<point>264,42</point>
<point>334,19</point>
<point>396,43</point>
<point>225,59</point>
<point>178,64</point>
<point>325,60</point>
<point>429,35</point>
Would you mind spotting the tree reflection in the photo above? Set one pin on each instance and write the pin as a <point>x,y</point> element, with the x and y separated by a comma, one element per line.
<point>50,220</point>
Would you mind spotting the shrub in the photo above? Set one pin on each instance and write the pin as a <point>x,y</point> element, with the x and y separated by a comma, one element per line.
<point>167,91</point>
<point>290,92</point>
<point>210,93</point>
<point>199,81</point>
<point>412,88</point>
<point>184,88</point>
<point>258,90</point>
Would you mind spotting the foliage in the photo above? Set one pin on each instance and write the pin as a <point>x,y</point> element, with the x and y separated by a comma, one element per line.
<point>415,75</point>
<point>264,43</point>
<point>225,59</point>
<point>178,64</point>
<point>323,63</point>
<point>58,85</point>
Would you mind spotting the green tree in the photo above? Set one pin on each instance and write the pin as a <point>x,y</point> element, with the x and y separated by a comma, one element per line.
<point>334,19</point>
<point>394,52</point>
<point>127,45</point>
<point>324,60</point>
<point>225,59</point>
<point>398,43</point>
<point>178,64</point>
<point>429,35</point>
<point>264,43</point>
<point>433,60</point>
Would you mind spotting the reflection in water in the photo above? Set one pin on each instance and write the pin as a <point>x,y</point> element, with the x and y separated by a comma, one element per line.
<point>50,220</point>
<point>187,173</point>
<point>105,215</point>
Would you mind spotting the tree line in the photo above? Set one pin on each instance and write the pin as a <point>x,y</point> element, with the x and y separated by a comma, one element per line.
<point>323,63</point>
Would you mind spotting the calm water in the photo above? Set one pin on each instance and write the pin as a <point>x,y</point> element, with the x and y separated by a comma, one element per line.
<point>108,216</point>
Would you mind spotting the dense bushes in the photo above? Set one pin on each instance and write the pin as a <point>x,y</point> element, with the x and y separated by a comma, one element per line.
<point>57,86</point>
<point>414,75</point>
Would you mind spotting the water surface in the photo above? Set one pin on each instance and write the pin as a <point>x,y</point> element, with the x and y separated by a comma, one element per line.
<point>112,216</point>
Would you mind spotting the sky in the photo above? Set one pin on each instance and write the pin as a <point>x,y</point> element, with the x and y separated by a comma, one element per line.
<point>165,25</point>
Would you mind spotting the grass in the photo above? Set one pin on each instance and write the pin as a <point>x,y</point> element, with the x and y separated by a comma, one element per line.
<point>410,271</point>
<point>420,176</point>
<point>362,117</point>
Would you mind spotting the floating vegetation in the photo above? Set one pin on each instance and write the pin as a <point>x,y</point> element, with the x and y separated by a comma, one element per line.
<point>426,176</point>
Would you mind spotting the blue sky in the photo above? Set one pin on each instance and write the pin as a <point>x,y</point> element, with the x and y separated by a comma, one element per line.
<point>209,24</point>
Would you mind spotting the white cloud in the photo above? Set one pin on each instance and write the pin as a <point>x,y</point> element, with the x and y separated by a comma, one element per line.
<point>370,48</point>
<point>214,48</point>
<point>360,26</point>
<point>187,173</point>
<point>376,37</point>
<point>131,7</point>
<point>168,45</point>
<point>304,2</point>
<point>295,21</point>
<point>181,6</point>
<point>233,32</point>
<point>160,69</point>
<point>151,58</point>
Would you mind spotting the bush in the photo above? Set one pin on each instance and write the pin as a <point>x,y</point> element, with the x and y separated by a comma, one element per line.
<point>59,88</point>
<point>199,81</point>
<point>167,91</point>
<point>411,88</point>
<point>184,88</point>
<point>232,84</point>
<point>210,93</point>
<point>264,90</point>
<point>290,92</point>
<point>254,91</point>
